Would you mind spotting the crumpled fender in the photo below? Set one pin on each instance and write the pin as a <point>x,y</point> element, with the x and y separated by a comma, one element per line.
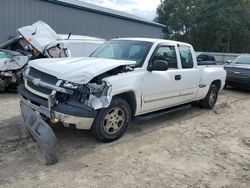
<point>104,100</point>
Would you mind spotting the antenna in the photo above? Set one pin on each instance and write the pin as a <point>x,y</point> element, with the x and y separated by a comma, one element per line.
<point>69,36</point>
<point>34,31</point>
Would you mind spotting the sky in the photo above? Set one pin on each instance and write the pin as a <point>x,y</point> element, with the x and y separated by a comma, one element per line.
<point>142,8</point>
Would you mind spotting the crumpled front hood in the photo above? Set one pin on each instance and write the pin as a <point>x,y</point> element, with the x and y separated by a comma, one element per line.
<point>77,70</point>
<point>39,35</point>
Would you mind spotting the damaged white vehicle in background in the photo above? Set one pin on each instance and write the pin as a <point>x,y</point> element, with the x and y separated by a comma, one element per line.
<point>39,41</point>
<point>10,64</point>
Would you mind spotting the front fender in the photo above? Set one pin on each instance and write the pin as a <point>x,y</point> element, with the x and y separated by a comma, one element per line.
<point>127,83</point>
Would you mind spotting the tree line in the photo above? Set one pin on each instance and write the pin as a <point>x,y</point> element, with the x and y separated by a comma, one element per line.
<point>210,25</point>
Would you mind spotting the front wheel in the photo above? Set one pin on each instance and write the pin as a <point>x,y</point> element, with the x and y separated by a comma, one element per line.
<point>211,98</point>
<point>112,122</point>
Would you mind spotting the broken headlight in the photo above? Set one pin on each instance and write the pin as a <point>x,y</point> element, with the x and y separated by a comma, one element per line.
<point>96,88</point>
<point>100,95</point>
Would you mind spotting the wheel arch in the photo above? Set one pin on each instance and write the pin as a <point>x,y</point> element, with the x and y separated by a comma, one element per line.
<point>130,98</point>
<point>217,83</point>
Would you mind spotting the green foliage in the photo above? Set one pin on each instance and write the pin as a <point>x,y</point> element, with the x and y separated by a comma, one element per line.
<point>210,25</point>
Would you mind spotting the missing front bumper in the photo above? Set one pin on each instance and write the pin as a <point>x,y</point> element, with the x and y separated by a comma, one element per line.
<point>32,107</point>
<point>81,116</point>
<point>41,132</point>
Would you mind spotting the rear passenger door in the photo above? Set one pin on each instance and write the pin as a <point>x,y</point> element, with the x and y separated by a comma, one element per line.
<point>189,74</point>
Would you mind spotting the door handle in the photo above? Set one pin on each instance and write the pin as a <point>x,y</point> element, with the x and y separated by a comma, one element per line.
<point>177,77</point>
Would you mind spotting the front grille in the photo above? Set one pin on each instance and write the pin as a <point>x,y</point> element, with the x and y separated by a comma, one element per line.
<point>47,78</point>
<point>39,88</point>
<point>239,76</point>
<point>43,76</point>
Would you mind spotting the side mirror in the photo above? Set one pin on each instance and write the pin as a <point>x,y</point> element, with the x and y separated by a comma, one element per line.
<point>158,65</point>
<point>229,61</point>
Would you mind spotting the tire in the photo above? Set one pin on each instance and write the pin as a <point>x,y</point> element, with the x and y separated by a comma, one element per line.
<point>211,98</point>
<point>112,122</point>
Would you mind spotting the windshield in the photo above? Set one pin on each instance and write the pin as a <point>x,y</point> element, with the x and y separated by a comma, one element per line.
<point>124,50</point>
<point>242,59</point>
<point>8,54</point>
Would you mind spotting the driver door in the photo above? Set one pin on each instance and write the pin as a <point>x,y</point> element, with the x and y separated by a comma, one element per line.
<point>161,88</point>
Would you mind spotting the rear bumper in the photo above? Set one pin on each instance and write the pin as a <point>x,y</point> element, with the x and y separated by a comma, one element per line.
<point>80,115</point>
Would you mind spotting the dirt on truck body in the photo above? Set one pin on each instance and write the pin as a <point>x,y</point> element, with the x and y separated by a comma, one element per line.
<point>189,148</point>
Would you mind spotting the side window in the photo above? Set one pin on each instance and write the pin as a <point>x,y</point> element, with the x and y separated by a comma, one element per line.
<point>186,57</point>
<point>167,53</point>
<point>202,57</point>
<point>212,58</point>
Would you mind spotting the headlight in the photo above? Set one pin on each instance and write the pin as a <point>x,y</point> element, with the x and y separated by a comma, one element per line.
<point>70,85</point>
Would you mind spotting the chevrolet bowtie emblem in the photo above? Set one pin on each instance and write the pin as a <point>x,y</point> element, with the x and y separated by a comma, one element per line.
<point>36,82</point>
<point>238,73</point>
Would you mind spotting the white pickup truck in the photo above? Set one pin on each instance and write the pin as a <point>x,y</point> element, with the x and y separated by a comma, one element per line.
<point>123,79</point>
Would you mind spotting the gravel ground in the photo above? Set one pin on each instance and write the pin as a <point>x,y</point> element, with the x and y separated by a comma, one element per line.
<point>189,148</point>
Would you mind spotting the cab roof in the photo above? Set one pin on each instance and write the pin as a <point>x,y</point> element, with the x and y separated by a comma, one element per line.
<point>154,40</point>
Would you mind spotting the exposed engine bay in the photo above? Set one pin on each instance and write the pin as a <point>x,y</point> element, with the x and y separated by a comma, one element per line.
<point>96,94</point>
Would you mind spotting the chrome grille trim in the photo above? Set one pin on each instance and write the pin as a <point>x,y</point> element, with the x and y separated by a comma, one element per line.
<point>43,84</point>
<point>38,82</point>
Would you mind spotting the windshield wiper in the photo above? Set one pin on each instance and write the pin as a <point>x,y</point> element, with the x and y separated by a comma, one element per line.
<point>34,32</point>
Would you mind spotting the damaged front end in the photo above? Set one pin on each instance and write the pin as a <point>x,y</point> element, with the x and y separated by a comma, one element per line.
<point>98,95</point>
<point>93,95</point>
<point>69,105</point>
<point>47,100</point>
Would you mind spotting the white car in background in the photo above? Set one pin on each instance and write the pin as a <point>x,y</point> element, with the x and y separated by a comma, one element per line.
<point>36,41</point>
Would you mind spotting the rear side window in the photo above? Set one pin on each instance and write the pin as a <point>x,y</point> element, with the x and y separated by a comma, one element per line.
<point>167,53</point>
<point>186,57</point>
<point>202,57</point>
<point>212,58</point>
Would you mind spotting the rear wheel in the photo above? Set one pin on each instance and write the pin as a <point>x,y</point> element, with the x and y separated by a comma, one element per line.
<point>112,122</point>
<point>211,98</point>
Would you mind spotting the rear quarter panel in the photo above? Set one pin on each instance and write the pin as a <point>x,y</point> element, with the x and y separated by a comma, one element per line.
<point>207,76</point>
